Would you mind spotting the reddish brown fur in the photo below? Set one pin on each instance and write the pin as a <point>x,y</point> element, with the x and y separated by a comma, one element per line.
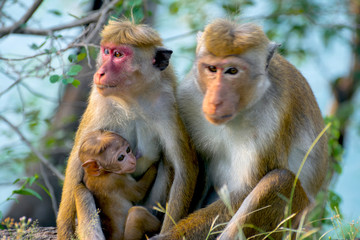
<point>140,222</point>
<point>146,114</point>
<point>125,32</point>
<point>263,120</point>
<point>114,193</point>
<point>225,38</point>
<point>96,143</point>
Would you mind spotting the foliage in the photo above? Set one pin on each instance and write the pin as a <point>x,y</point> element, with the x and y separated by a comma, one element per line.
<point>24,229</point>
<point>24,190</point>
<point>54,60</point>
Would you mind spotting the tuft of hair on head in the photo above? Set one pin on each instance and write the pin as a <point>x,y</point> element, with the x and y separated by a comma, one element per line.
<point>96,142</point>
<point>123,31</point>
<point>224,37</point>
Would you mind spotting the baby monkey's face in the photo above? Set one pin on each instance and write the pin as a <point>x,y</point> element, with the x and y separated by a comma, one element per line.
<point>118,157</point>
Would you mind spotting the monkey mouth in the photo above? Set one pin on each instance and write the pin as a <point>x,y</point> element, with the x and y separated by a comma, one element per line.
<point>100,86</point>
<point>217,120</point>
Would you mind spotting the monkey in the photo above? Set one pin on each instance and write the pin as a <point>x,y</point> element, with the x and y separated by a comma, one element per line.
<point>139,222</point>
<point>133,95</point>
<point>107,160</point>
<point>252,116</point>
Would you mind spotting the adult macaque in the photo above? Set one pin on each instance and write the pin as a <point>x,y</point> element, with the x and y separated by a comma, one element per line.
<point>133,95</point>
<point>107,160</point>
<point>252,117</point>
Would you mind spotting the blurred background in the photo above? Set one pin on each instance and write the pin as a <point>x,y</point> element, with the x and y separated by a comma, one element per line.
<point>47,52</point>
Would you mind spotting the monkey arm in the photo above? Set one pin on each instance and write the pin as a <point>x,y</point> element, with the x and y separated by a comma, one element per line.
<point>67,210</point>
<point>182,157</point>
<point>138,190</point>
<point>85,207</point>
<point>85,201</point>
<point>197,225</point>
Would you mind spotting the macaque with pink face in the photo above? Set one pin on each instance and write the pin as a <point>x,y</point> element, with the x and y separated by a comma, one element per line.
<point>133,95</point>
<point>108,160</point>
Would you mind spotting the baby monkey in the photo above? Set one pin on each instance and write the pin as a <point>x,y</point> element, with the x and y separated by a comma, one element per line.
<point>107,160</point>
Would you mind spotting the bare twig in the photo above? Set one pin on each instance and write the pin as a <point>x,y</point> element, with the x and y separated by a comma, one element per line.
<point>94,17</point>
<point>40,95</point>
<point>45,53</point>
<point>23,20</point>
<point>2,4</point>
<point>36,152</point>
<point>50,188</point>
<point>102,19</point>
<point>10,87</point>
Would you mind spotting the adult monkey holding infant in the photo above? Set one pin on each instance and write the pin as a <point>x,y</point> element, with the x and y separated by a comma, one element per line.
<point>252,117</point>
<point>133,94</point>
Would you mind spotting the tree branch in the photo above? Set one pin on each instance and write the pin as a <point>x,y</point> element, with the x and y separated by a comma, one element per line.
<point>50,188</point>
<point>44,32</point>
<point>75,45</point>
<point>36,152</point>
<point>23,20</point>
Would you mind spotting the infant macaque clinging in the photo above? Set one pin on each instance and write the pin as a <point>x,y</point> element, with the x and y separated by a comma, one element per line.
<point>108,160</point>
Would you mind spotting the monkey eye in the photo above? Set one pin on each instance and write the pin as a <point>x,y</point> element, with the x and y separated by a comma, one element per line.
<point>121,157</point>
<point>106,51</point>
<point>232,71</point>
<point>128,150</point>
<point>118,54</point>
<point>212,68</point>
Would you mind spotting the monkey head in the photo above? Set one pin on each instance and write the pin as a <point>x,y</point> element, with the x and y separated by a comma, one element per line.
<point>131,58</point>
<point>106,152</point>
<point>232,65</point>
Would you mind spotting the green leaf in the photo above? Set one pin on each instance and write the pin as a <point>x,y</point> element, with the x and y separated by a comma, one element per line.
<point>34,46</point>
<point>13,199</point>
<point>55,12</point>
<point>44,188</point>
<point>174,7</point>
<point>72,58</point>
<point>32,179</point>
<point>68,80</point>
<point>17,180</point>
<point>54,78</point>
<point>74,70</point>
<point>76,83</point>
<point>27,191</point>
<point>81,56</point>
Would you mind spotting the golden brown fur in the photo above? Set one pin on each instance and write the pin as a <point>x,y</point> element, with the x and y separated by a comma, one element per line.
<point>250,141</point>
<point>223,38</point>
<point>126,32</point>
<point>114,193</point>
<point>96,143</point>
<point>148,120</point>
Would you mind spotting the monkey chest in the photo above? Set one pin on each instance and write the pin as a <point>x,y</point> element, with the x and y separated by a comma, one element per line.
<point>146,148</point>
<point>233,162</point>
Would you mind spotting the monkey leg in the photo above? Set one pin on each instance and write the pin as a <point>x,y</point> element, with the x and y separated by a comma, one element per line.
<point>140,221</point>
<point>89,226</point>
<point>264,208</point>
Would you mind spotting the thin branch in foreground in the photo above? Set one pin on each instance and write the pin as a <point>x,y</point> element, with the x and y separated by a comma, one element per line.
<point>50,188</point>
<point>23,20</point>
<point>36,152</point>
<point>46,53</point>
<point>94,17</point>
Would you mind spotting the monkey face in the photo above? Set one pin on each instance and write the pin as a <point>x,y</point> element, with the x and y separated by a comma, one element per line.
<point>115,75</point>
<point>120,159</point>
<point>106,152</point>
<point>227,87</point>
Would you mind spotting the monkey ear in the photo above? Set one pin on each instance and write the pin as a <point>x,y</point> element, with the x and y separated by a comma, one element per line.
<point>271,50</point>
<point>162,57</point>
<point>92,168</point>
